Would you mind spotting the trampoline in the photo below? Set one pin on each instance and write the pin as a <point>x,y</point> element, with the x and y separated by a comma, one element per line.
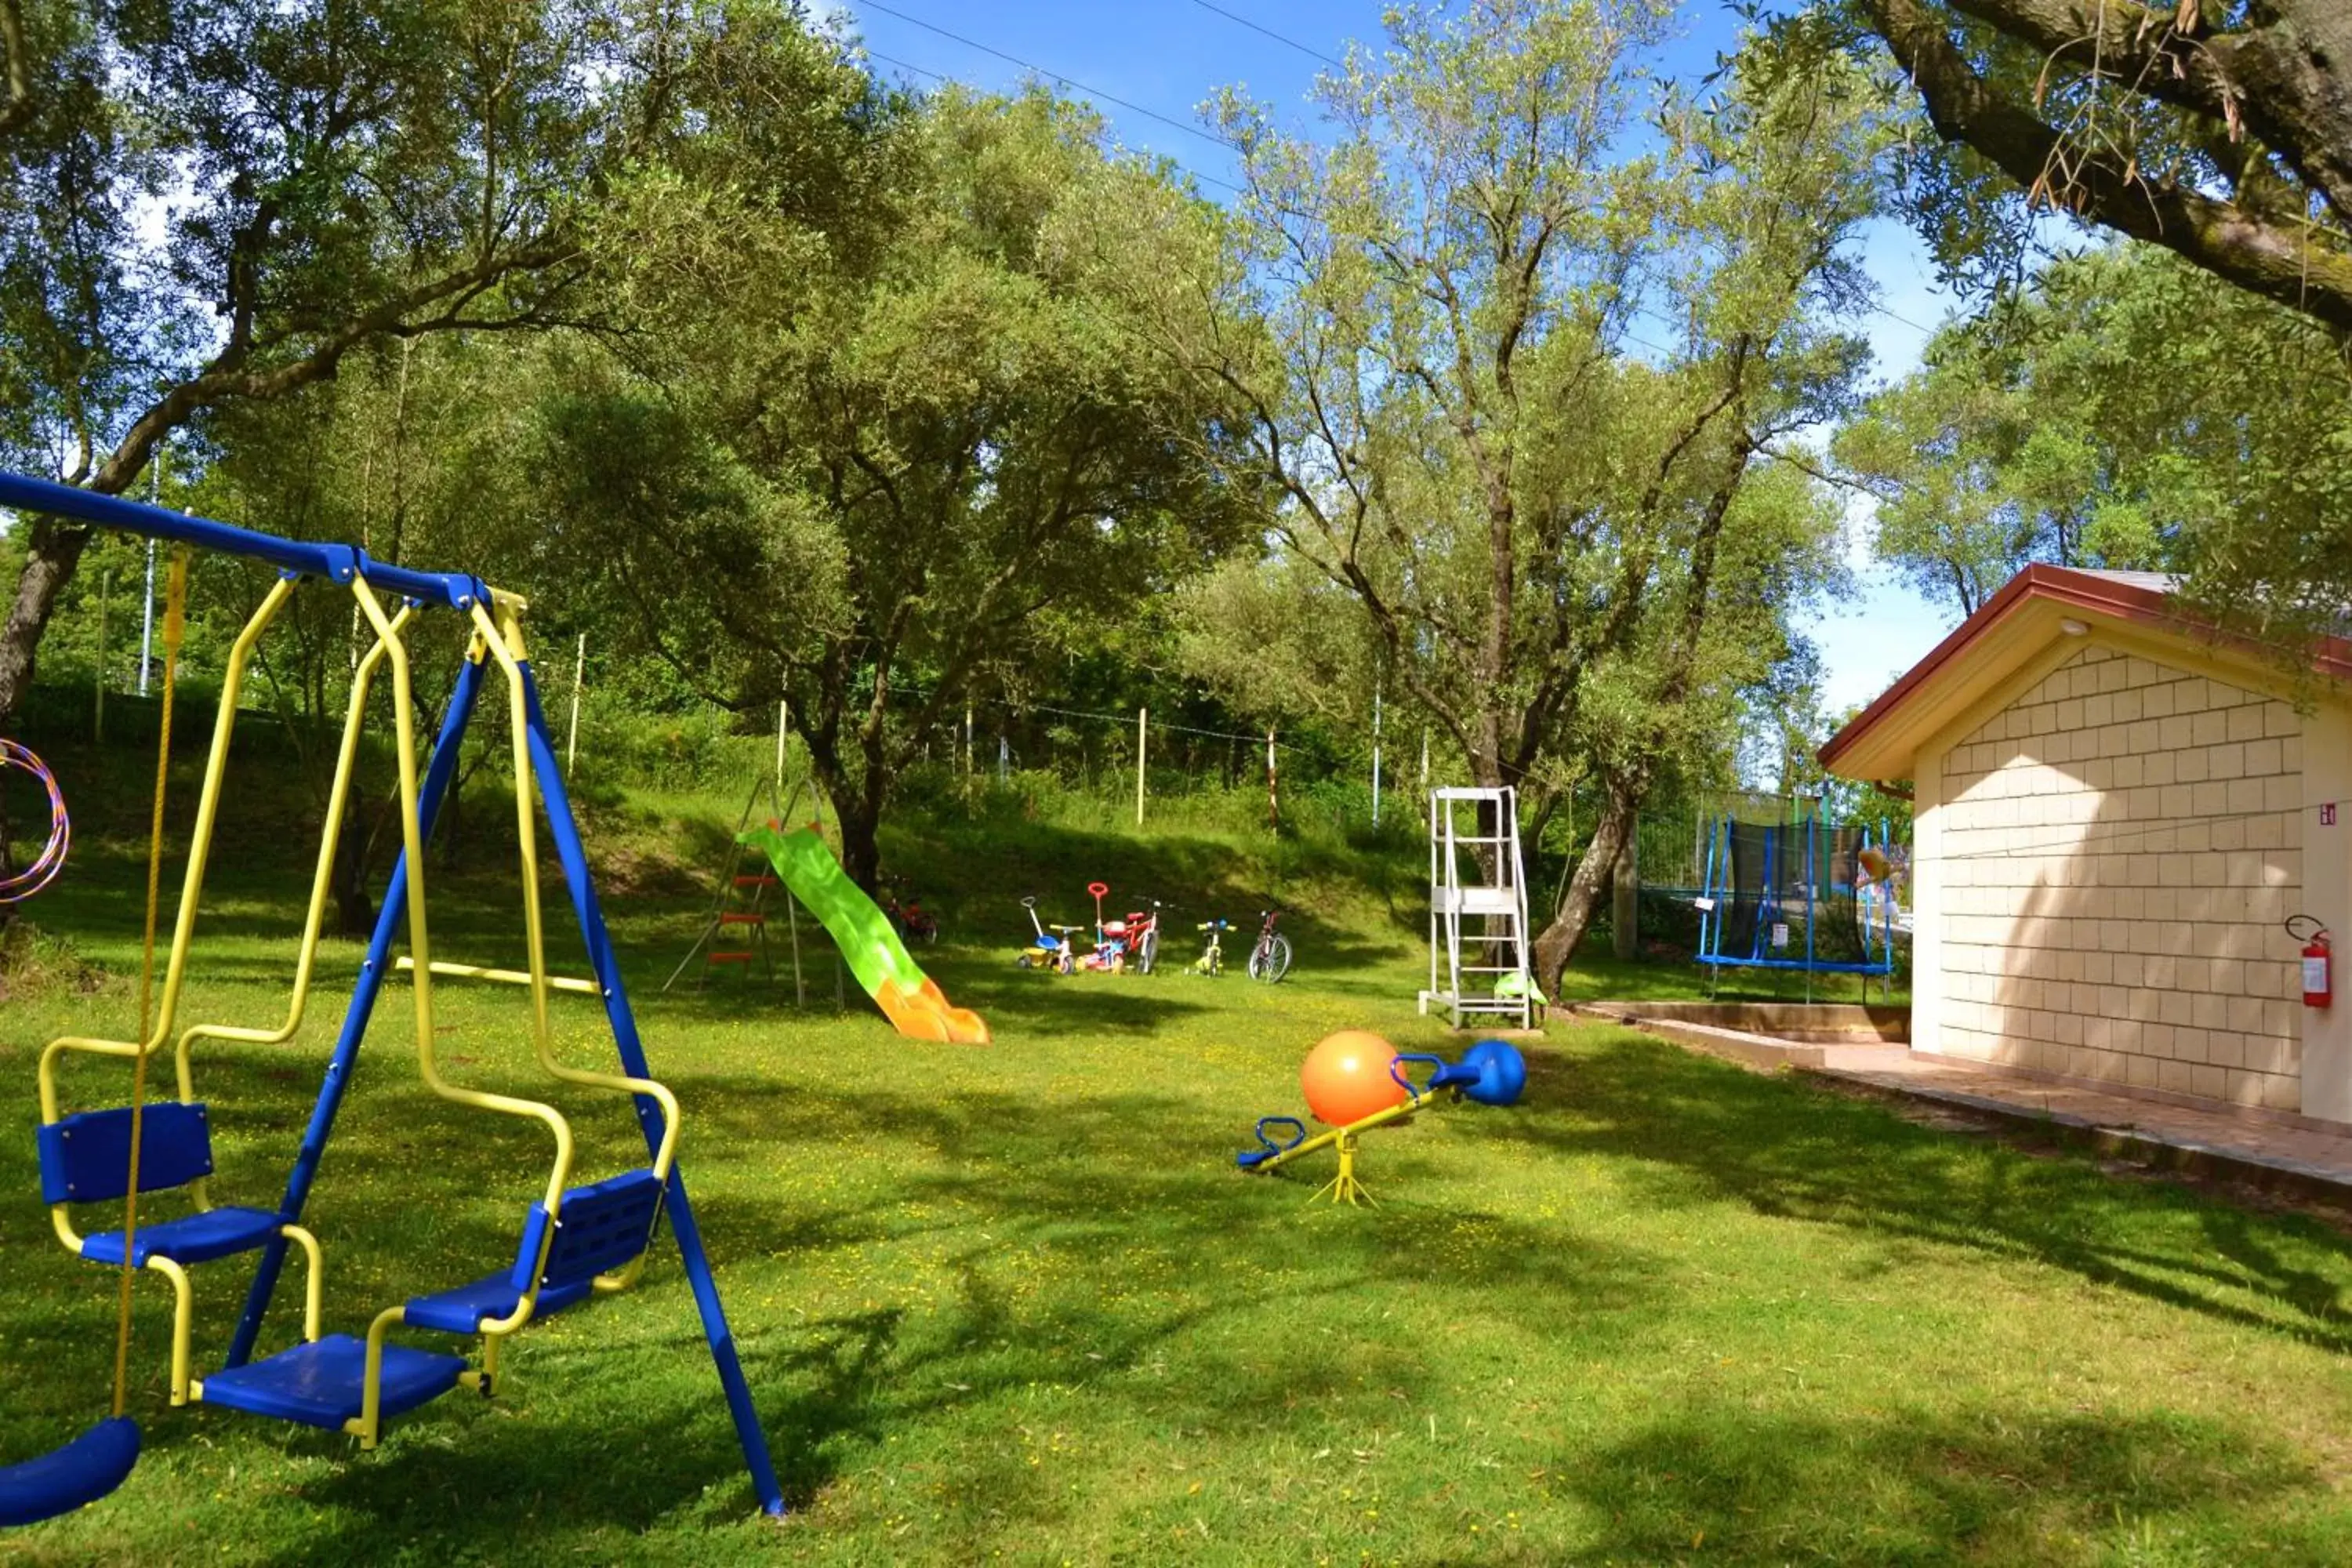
<point>1806,896</point>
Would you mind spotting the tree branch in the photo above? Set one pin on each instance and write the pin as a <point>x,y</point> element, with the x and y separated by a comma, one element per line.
<point>2294,266</point>
<point>18,108</point>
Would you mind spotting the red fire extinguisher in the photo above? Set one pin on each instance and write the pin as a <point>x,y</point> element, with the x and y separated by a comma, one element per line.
<point>2318,990</point>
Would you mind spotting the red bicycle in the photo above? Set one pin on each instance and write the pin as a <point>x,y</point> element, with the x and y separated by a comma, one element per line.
<point>1120,945</point>
<point>1269,961</point>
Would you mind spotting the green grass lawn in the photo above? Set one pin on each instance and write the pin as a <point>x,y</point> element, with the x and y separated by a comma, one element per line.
<point>1015,1304</point>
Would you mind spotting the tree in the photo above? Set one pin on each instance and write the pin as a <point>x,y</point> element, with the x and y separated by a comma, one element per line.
<point>1985,460</point>
<point>2125,409</point>
<point>203,205</point>
<point>2223,132</point>
<point>409,452</point>
<point>882,434</point>
<point>1569,554</point>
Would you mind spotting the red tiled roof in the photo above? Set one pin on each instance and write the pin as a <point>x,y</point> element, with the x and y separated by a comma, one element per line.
<point>2140,597</point>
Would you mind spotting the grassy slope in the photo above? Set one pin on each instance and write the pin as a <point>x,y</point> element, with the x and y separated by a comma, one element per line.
<point>1015,1303</point>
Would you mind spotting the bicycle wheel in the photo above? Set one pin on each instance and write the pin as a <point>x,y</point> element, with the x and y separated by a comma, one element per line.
<point>1271,962</point>
<point>1146,953</point>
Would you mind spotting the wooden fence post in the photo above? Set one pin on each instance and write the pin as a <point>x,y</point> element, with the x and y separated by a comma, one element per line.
<point>579,675</point>
<point>1272,789</point>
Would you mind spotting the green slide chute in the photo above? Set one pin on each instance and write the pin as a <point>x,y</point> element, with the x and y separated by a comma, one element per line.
<point>869,943</point>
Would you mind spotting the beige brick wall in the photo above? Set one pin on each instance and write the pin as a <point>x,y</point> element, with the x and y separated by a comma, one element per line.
<point>2118,850</point>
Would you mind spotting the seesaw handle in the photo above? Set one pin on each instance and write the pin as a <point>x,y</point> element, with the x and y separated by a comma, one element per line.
<point>1298,1131</point>
<point>1267,1148</point>
<point>1396,1070</point>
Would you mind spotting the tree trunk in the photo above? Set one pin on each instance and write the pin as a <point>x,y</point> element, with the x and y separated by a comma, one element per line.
<point>1559,941</point>
<point>857,803</point>
<point>1626,897</point>
<point>355,907</point>
<point>52,550</point>
<point>861,850</point>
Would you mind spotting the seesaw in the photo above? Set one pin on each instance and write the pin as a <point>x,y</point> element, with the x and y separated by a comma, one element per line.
<point>1356,1081</point>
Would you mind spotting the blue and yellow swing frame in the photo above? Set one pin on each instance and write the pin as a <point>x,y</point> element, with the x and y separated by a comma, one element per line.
<point>576,1242</point>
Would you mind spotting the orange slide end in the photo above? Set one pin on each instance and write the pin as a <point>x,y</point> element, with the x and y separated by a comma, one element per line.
<point>922,1013</point>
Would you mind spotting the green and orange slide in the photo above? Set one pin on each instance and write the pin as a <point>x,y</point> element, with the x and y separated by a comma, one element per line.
<point>910,999</point>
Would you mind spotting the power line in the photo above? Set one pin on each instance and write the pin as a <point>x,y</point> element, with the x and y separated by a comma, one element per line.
<point>2096,837</point>
<point>1269,32</point>
<point>1021,708</point>
<point>940,76</point>
<point>1056,76</point>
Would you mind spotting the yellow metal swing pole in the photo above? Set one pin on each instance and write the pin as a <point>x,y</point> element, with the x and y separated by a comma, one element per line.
<point>306,958</point>
<point>184,924</point>
<point>504,639</point>
<point>183,927</point>
<point>322,879</point>
<point>368,1423</point>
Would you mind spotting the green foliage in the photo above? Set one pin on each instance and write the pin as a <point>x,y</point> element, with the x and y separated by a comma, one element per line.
<point>2219,132</point>
<point>322,173</point>
<point>2125,411</point>
<point>876,471</point>
<point>1570,550</point>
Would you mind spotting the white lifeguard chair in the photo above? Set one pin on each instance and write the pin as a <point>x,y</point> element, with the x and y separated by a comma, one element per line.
<point>1477,906</point>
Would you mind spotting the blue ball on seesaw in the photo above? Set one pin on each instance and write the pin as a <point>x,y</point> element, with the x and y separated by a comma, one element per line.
<point>1502,1072</point>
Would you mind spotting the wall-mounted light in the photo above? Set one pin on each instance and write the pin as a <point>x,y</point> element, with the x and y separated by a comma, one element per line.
<point>2073,628</point>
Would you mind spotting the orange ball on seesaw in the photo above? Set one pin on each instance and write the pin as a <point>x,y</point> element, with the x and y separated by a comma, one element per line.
<point>1346,1077</point>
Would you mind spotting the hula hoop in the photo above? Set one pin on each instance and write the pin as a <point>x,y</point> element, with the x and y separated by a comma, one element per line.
<point>23,884</point>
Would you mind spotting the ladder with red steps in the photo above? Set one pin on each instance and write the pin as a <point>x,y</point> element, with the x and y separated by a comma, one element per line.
<point>736,934</point>
<point>751,921</point>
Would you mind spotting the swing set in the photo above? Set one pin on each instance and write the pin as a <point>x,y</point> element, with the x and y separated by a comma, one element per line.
<point>576,1241</point>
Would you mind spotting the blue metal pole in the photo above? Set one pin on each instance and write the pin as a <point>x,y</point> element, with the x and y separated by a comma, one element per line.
<point>1708,949</point>
<point>1812,891</point>
<point>574,857</point>
<point>332,563</point>
<point>437,774</point>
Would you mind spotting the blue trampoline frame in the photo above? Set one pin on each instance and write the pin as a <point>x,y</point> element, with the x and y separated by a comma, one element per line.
<point>343,563</point>
<point>1716,891</point>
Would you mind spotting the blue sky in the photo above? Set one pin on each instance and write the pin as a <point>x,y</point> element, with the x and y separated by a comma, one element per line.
<point>1165,56</point>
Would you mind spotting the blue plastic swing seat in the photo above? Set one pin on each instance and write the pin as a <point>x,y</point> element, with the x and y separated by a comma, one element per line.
<point>82,1472</point>
<point>599,1228</point>
<point>191,1238</point>
<point>85,1159</point>
<point>323,1383</point>
<point>493,1297</point>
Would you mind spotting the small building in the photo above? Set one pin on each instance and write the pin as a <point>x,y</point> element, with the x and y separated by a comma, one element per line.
<point>2117,811</point>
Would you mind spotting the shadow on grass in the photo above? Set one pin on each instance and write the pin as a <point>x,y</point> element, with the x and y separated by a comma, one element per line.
<point>1696,1130</point>
<point>988,1189</point>
<point>1727,1482</point>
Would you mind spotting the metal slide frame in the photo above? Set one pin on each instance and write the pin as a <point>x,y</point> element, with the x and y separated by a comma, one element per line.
<point>345,564</point>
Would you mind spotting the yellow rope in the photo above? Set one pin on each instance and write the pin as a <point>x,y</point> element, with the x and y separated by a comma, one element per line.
<point>175,602</point>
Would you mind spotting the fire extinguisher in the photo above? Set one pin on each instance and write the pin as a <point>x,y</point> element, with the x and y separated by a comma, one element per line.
<point>2317,982</point>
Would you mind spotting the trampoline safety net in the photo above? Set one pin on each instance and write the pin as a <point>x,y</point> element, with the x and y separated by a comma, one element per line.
<point>1809,884</point>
